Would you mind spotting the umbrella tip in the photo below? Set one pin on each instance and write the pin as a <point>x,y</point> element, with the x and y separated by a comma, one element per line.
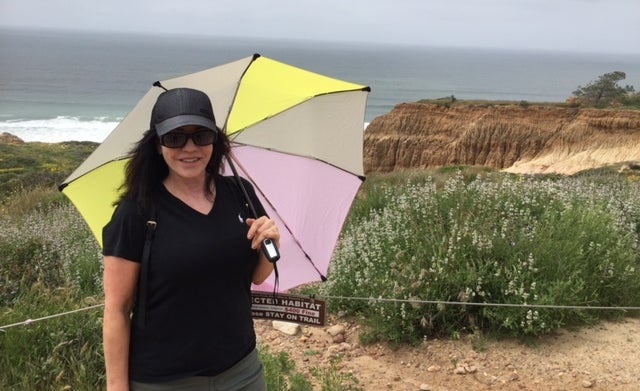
<point>256,55</point>
<point>157,84</point>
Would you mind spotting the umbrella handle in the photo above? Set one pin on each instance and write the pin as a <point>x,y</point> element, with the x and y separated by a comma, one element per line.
<point>269,248</point>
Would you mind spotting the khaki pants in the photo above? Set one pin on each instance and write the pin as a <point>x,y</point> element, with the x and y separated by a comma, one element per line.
<point>246,375</point>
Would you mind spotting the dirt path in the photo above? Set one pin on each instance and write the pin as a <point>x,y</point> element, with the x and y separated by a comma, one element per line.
<point>602,357</point>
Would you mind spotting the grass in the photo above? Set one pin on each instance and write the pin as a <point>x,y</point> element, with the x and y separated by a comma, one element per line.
<point>39,164</point>
<point>452,234</point>
<point>451,101</point>
<point>281,375</point>
<point>631,103</point>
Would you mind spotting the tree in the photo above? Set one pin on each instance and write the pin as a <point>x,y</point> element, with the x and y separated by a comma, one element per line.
<point>605,90</point>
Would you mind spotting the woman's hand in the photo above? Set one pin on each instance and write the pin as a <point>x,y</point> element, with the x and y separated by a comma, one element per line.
<point>261,229</point>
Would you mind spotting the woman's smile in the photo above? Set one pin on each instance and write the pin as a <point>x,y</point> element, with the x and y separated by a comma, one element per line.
<point>189,161</point>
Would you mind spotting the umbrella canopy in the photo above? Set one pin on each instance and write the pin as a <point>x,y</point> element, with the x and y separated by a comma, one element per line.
<point>297,136</point>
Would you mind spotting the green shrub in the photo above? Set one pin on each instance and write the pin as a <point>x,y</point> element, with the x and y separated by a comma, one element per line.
<point>280,374</point>
<point>493,239</point>
<point>29,165</point>
<point>332,379</point>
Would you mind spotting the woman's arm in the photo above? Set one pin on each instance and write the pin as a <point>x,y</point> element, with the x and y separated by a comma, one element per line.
<point>120,282</point>
<point>259,230</point>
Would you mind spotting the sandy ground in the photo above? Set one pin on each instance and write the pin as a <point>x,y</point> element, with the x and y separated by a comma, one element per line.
<point>601,357</point>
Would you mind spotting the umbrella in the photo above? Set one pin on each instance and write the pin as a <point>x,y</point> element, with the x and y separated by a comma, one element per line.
<point>297,136</point>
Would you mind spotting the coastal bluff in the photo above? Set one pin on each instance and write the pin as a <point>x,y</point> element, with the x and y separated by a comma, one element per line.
<point>513,138</point>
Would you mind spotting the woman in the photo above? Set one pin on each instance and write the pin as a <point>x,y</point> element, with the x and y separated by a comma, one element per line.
<point>193,330</point>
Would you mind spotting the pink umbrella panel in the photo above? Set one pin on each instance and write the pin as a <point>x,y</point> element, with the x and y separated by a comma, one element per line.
<point>307,197</point>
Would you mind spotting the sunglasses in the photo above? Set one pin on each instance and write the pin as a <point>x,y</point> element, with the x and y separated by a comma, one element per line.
<point>178,140</point>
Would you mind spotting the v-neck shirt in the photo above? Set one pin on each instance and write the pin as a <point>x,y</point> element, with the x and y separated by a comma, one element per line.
<point>198,312</point>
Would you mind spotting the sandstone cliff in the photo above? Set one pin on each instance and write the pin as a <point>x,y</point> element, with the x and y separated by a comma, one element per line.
<point>8,138</point>
<point>533,139</point>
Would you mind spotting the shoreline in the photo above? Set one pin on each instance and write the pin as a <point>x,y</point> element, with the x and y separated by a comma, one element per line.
<point>71,129</point>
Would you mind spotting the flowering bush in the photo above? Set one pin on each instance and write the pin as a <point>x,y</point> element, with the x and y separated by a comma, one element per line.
<point>50,264</point>
<point>493,239</point>
<point>49,246</point>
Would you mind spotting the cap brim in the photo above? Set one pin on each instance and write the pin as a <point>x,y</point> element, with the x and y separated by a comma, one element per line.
<point>172,123</point>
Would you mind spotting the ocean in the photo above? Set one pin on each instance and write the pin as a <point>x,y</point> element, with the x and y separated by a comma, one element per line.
<point>60,86</point>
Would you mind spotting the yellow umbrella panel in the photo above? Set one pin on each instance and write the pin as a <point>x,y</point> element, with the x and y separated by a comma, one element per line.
<point>93,195</point>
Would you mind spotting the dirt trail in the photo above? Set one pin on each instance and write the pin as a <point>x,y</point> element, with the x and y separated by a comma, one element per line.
<point>601,357</point>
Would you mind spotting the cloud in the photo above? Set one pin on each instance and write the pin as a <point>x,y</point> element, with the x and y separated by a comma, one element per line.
<point>575,25</point>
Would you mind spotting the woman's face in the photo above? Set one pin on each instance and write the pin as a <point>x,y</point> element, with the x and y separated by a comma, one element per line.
<point>189,161</point>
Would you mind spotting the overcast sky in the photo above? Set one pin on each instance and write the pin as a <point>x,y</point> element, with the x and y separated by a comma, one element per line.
<point>600,26</point>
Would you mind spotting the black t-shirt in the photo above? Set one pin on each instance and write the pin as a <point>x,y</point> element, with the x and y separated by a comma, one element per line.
<point>198,313</point>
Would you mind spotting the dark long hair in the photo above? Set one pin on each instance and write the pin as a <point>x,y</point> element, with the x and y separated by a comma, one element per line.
<point>146,169</point>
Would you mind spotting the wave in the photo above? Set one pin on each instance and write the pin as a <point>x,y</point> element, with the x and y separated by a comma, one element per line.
<point>62,128</point>
<point>59,129</point>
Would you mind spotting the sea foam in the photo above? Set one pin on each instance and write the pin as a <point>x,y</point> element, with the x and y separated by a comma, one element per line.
<point>59,129</point>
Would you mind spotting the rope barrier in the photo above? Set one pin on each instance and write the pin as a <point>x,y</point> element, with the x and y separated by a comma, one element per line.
<point>380,299</point>
<point>441,302</point>
<point>29,321</point>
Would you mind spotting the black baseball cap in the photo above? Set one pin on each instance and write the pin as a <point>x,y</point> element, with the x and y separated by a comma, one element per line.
<point>180,107</point>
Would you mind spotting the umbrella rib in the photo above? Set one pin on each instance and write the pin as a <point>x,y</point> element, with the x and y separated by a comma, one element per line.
<point>235,94</point>
<point>322,276</point>
<point>362,177</point>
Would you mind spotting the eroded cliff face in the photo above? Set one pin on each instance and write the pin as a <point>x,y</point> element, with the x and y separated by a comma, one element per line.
<point>534,139</point>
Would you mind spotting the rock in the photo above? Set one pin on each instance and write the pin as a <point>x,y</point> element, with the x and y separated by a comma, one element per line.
<point>333,351</point>
<point>8,138</point>
<point>425,387</point>
<point>338,338</point>
<point>336,330</point>
<point>434,368</point>
<point>471,369</point>
<point>286,327</point>
<point>587,384</point>
<point>462,369</point>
